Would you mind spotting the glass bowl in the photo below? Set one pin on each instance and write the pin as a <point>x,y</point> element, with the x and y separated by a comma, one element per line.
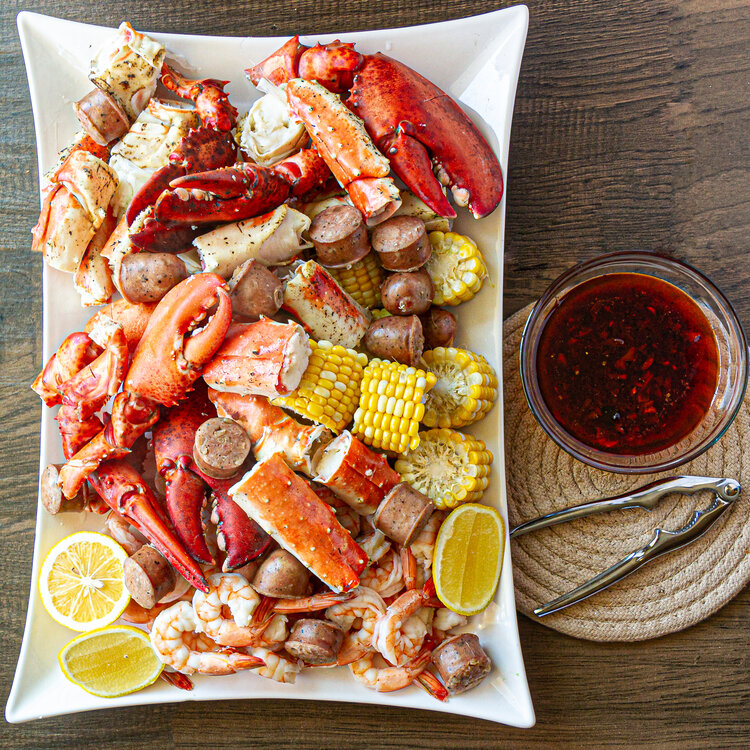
<point>731,345</point>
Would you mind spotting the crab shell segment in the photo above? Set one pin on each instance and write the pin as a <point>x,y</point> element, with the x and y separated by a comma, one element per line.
<point>356,474</point>
<point>327,311</point>
<point>168,359</point>
<point>341,139</point>
<point>127,67</point>
<point>263,358</point>
<point>286,507</point>
<point>272,430</point>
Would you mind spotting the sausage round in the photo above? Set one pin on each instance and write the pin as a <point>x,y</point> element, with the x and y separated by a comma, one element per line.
<point>461,662</point>
<point>255,290</point>
<point>101,116</point>
<point>403,513</point>
<point>315,641</point>
<point>340,236</point>
<point>148,576</point>
<point>220,447</point>
<point>53,500</point>
<point>282,576</point>
<point>147,277</point>
<point>396,338</point>
<point>439,327</point>
<point>408,293</point>
<point>402,243</point>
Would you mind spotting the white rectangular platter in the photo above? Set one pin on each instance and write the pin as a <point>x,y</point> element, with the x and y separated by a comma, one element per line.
<point>477,61</point>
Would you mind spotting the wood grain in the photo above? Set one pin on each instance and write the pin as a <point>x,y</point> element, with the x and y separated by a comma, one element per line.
<point>630,131</point>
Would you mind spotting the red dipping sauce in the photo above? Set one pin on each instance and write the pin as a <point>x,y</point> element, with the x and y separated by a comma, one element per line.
<point>627,364</point>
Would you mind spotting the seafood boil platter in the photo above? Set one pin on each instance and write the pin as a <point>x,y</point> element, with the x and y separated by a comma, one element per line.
<point>303,339</point>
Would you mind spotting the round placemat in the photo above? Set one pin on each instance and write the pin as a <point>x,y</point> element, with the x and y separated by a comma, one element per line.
<point>666,595</point>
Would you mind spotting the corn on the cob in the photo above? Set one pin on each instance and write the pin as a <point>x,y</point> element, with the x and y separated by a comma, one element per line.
<point>329,390</point>
<point>456,268</point>
<point>449,467</point>
<point>361,280</point>
<point>465,390</point>
<point>390,405</point>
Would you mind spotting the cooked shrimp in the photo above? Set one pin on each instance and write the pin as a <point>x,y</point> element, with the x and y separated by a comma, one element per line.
<point>387,577</point>
<point>357,618</point>
<point>275,665</point>
<point>400,632</point>
<point>232,591</point>
<point>445,620</point>
<point>275,633</point>
<point>311,603</point>
<point>178,645</point>
<point>124,534</point>
<point>374,672</point>
<point>375,544</point>
<point>423,545</point>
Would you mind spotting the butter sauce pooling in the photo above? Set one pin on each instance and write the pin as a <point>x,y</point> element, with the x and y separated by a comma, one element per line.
<point>627,364</point>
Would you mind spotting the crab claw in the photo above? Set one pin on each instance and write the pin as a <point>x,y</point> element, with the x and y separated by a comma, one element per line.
<point>167,361</point>
<point>123,489</point>
<point>199,150</point>
<point>186,494</point>
<point>281,66</point>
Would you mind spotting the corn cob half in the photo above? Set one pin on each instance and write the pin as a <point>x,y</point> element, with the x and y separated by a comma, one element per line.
<point>390,405</point>
<point>449,467</point>
<point>329,390</point>
<point>361,280</point>
<point>456,268</point>
<point>465,390</point>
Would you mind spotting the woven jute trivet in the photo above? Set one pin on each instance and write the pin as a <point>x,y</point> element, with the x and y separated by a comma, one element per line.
<point>666,595</point>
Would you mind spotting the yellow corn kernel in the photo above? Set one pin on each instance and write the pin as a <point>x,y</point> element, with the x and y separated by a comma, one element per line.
<point>329,390</point>
<point>362,280</point>
<point>389,405</point>
<point>456,267</point>
<point>449,467</point>
<point>466,387</point>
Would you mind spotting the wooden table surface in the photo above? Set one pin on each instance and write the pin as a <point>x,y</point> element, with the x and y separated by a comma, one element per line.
<point>630,131</point>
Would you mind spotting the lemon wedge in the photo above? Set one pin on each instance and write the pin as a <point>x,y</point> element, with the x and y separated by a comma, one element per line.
<point>110,661</point>
<point>81,582</point>
<point>468,558</point>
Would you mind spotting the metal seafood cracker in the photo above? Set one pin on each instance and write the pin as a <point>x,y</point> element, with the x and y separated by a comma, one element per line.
<point>726,492</point>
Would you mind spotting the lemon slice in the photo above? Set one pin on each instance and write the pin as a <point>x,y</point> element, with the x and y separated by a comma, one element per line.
<point>111,661</point>
<point>468,558</point>
<point>81,583</point>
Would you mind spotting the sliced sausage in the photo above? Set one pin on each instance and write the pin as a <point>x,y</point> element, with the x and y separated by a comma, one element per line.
<point>315,641</point>
<point>255,290</point>
<point>101,116</point>
<point>403,513</point>
<point>53,500</point>
<point>147,277</point>
<point>407,293</point>
<point>340,236</point>
<point>148,576</point>
<point>461,662</point>
<point>220,447</point>
<point>439,327</point>
<point>282,576</point>
<point>396,338</point>
<point>402,243</point>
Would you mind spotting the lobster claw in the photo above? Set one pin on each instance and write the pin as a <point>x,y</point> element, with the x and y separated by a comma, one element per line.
<point>410,118</point>
<point>168,361</point>
<point>123,489</point>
